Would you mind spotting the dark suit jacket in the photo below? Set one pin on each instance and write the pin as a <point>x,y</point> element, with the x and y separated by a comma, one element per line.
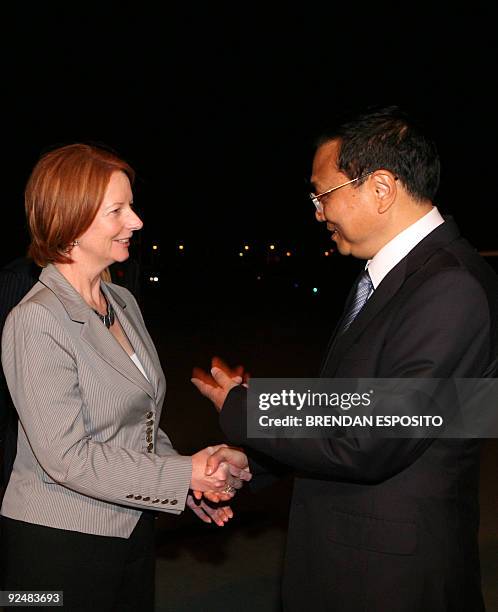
<point>378,525</point>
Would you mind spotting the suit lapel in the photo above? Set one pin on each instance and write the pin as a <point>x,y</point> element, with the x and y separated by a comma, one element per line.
<point>101,340</point>
<point>387,289</point>
<point>97,336</point>
<point>334,337</point>
<point>139,339</point>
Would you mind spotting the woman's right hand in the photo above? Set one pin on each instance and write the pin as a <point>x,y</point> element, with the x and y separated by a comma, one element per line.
<point>228,472</point>
<point>200,480</point>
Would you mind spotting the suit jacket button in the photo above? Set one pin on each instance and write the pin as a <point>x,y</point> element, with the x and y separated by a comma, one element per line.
<point>129,496</point>
<point>145,498</point>
<point>138,497</point>
<point>155,501</point>
<point>164,501</point>
<point>150,447</point>
<point>148,415</point>
<point>174,502</point>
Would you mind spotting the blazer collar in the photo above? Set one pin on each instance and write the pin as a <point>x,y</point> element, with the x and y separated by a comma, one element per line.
<point>440,237</point>
<point>76,307</point>
<point>98,337</point>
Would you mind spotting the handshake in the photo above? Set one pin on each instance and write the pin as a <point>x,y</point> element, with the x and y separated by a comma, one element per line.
<point>217,473</point>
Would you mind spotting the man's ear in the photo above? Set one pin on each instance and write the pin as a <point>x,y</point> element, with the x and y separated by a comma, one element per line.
<point>385,187</point>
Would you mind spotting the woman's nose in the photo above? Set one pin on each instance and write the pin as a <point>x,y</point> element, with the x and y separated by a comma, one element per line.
<point>135,222</point>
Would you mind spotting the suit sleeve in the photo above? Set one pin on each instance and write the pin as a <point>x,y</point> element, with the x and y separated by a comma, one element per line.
<point>445,324</point>
<point>42,376</point>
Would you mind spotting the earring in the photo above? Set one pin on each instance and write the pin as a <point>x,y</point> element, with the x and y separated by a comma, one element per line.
<point>75,243</point>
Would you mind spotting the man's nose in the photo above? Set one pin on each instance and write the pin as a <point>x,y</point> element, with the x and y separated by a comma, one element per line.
<point>319,216</point>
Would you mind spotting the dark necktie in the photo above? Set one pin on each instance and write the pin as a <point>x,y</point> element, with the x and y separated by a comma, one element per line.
<point>363,289</point>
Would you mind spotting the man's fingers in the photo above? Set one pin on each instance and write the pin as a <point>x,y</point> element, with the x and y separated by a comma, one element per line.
<point>221,378</point>
<point>202,375</point>
<point>240,473</point>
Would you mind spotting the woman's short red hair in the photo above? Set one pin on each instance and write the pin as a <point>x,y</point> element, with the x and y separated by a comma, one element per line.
<point>63,195</point>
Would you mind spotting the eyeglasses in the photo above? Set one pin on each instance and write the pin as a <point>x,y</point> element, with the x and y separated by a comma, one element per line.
<point>315,198</point>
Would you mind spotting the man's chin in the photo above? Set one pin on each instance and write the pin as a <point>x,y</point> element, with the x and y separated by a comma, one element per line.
<point>344,248</point>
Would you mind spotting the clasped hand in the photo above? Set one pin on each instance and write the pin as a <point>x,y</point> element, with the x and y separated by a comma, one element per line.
<point>217,473</point>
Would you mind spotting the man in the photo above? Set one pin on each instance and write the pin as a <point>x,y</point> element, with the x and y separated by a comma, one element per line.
<point>390,524</point>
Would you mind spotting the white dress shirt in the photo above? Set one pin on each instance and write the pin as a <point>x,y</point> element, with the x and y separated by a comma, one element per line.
<point>397,248</point>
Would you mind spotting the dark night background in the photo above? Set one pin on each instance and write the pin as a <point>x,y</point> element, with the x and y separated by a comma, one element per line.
<point>217,108</point>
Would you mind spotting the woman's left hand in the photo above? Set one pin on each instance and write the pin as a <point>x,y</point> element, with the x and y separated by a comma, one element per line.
<point>208,513</point>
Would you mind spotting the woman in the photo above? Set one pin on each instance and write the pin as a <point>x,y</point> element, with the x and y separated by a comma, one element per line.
<point>92,465</point>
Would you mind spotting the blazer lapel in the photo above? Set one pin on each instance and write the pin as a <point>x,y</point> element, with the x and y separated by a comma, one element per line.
<point>101,340</point>
<point>390,285</point>
<point>94,333</point>
<point>139,339</point>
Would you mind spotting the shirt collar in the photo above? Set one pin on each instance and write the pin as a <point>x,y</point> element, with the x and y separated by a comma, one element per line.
<point>397,248</point>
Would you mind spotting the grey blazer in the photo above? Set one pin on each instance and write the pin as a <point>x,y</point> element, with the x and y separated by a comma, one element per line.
<point>90,454</point>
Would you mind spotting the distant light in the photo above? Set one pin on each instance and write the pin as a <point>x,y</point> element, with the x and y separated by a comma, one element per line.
<point>272,247</point>
<point>246,247</point>
<point>156,279</point>
<point>154,247</point>
<point>258,277</point>
<point>180,247</point>
<point>288,253</point>
<point>326,253</point>
<point>315,289</point>
<point>241,254</point>
<point>151,278</point>
<point>296,285</point>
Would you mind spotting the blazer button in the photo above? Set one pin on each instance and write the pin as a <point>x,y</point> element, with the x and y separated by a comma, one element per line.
<point>145,498</point>
<point>155,501</point>
<point>164,501</point>
<point>149,415</point>
<point>149,438</point>
<point>138,497</point>
<point>174,502</point>
<point>130,496</point>
<point>150,447</point>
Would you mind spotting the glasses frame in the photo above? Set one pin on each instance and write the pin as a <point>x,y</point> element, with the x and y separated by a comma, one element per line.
<point>315,198</point>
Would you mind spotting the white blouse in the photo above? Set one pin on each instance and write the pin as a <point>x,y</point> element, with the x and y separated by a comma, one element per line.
<point>139,365</point>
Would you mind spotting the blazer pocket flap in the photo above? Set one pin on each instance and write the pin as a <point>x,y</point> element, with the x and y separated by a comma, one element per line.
<point>373,533</point>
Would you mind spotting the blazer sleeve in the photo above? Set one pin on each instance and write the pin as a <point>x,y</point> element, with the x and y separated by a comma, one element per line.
<point>42,376</point>
<point>445,324</point>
